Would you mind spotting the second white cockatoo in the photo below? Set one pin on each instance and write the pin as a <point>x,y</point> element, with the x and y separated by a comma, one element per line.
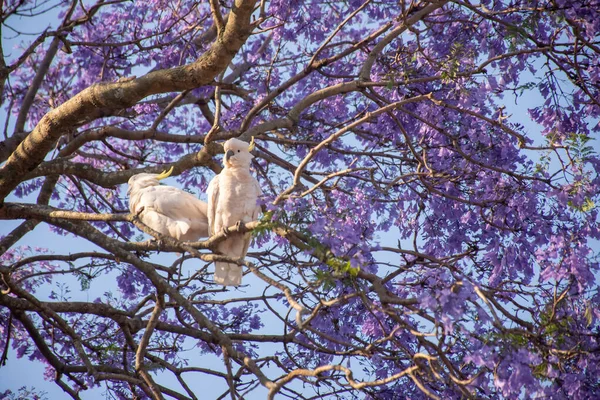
<point>167,209</point>
<point>232,199</point>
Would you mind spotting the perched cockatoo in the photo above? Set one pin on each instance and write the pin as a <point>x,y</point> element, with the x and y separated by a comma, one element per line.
<point>232,198</point>
<point>166,209</point>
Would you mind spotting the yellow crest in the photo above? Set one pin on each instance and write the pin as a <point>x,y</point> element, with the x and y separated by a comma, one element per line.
<point>251,146</point>
<point>165,174</point>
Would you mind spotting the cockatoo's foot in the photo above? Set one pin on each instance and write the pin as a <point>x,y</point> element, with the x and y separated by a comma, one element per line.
<point>226,231</point>
<point>238,225</point>
<point>158,242</point>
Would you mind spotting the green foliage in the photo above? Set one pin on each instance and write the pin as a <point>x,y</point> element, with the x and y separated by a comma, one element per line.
<point>86,274</point>
<point>155,367</point>
<point>339,266</point>
<point>342,266</point>
<point>518,35</point>
<point>525,87</point>
<point>543,164</point>
<point>451,66</point>
<point>580,148</point>
<point>516,339</point>
<point>556,329</point>
<point>326,279</point>
<point>580,151</point>
<point>113,348</point>
<point>392,83</point>
<point>539,371</point>
<point>266,225</point>
<point>587,206</point>
<point>588,314</point>
<point>340,269</point>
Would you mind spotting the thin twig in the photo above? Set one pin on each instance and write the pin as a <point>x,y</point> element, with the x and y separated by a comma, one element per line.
<point>141,351</point>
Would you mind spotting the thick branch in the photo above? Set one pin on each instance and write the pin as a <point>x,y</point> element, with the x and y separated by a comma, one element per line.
<point>111,179</point>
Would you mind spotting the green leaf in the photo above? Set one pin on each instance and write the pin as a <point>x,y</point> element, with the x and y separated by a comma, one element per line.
<point>327,281</point>
<point>588,205</point>
<point>540,371</point>
<point>588,314</point>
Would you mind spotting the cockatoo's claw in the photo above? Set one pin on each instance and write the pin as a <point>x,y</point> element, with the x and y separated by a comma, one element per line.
<point>238,225</point>
<point>159,243</point>
<point>226,231</point>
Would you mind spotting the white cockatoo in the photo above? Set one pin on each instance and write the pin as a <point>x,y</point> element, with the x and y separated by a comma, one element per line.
<point>166,209</point>
<point>232,198</point>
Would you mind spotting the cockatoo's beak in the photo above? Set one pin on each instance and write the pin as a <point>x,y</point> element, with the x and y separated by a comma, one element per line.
<point>228,155</point>
<point>165,174</point>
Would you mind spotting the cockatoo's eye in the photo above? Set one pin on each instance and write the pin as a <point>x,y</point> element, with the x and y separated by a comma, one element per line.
<point>238,151</point>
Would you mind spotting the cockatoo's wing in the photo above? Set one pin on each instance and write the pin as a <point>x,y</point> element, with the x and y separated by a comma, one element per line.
<point>164,224</point>
<point>172,202</point>
<point>213,202</point>
<point>254,211</point>
<point>171,211</point>
<point>257,209</point>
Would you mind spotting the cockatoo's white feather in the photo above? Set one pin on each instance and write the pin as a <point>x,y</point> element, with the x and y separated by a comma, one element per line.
<point>232,198</point>
<point>166,209</point>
